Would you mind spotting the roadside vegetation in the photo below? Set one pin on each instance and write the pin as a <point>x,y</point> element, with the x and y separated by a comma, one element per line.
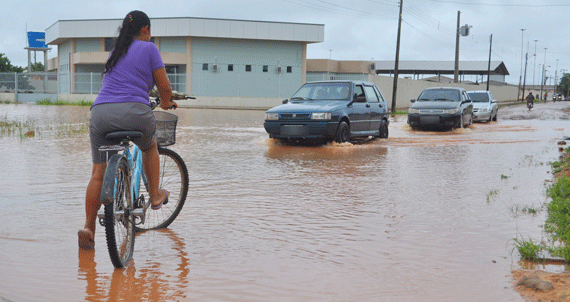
<point>52,102</point>
<point>557,224</point>
<point>64,102</point>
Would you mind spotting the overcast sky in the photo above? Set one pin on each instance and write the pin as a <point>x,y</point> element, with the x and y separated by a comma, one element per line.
<point>354,30</point>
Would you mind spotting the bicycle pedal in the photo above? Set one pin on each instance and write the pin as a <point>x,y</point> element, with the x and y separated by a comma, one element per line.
<point>138,212</point>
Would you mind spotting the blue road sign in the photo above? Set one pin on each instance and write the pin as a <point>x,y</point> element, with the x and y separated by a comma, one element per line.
<point>36,39</point>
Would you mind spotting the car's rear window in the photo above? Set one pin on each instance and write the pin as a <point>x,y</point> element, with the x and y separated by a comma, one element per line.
<point>323,91</point>
<point>449,95</point>
<point>479,96</point>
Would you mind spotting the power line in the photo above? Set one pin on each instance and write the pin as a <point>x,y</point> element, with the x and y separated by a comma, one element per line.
<point>496,4</point>
<point>337,9</point>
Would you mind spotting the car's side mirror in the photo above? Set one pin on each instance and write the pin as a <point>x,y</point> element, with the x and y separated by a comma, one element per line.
<point>285,101</point>
<point>413,100</point>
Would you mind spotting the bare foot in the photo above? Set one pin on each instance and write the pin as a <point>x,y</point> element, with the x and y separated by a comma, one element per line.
<point>86,239</point>
<point>163,199</point>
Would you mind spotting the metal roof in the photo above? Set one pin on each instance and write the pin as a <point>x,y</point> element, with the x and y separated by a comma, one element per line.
<point>441,67</point>
<point>63,30</point>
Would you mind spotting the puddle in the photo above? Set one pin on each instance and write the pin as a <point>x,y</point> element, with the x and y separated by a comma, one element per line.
<point>406,218</point>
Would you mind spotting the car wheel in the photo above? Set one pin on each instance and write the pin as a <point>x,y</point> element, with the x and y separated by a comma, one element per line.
<point>490,117</point>
<point>460,124</point>
<point>342,133</point>
<point>495,118</point>
<point>383,129</point>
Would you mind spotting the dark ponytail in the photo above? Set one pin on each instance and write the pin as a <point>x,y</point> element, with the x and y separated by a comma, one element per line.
<point>132,25</point>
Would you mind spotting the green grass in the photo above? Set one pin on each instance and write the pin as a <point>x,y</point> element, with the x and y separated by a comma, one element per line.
<point>11,127</point>
<point>64,102</point>
<point>9,102</point>
<point>557,224</point>
<point>490,194</point>
<point>29,128</point>
<point>527,249</point>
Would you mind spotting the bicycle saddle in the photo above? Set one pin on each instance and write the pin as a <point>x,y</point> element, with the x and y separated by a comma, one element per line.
<point>123,135</point>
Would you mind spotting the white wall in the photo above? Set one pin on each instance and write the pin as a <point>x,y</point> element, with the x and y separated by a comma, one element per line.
<point>409,89</point>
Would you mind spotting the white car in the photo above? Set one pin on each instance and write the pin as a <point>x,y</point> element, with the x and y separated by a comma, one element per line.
<point>485,107</point>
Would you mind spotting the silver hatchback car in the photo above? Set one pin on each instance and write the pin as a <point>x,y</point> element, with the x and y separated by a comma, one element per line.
<point>485,107</point>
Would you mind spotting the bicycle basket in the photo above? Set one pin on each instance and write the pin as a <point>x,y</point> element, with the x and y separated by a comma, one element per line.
<point>165,128</point>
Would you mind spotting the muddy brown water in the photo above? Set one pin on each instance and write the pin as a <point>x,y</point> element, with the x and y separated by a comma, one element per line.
<point>421,216</point>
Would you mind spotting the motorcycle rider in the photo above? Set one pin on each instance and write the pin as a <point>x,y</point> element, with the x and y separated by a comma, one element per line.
<point>530,99</point>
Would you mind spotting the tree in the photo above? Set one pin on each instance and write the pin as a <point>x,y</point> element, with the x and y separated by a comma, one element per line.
<point>7,76</point>
<point>564,85</point>
<point>38,66</point>
<point>6,65</point>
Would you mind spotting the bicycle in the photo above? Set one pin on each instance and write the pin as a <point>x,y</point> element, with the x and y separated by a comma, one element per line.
<point>126,209</point>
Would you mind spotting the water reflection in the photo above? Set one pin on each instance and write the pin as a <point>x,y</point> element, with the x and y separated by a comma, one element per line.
<point>152,280</point>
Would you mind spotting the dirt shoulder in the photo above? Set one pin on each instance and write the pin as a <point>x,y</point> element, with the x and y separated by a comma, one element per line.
<point>528,284</point>
<point>537,285</point>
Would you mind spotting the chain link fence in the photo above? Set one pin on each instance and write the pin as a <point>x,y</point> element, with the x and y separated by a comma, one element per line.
<point>76,83</point>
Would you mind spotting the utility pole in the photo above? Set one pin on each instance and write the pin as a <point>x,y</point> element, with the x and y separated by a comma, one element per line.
<point>534,68</point>
<point>556,78</point>
<point>395,88</point>
<point>543,82</point>
<point>456,72</point>
<point>524,79</point>
<point>520,77</point>
<point>489,66</point>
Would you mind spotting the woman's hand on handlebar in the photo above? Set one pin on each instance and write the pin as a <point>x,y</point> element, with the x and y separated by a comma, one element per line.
<point>168,105</point>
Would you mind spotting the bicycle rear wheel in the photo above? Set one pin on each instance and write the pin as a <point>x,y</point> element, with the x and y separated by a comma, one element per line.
<point>119,221</point>
<point>174,178</point>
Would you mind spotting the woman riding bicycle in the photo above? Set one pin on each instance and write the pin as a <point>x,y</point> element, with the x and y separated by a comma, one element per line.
<point>132,69</point>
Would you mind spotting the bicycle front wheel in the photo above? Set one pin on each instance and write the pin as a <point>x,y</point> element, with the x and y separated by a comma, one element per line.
<point>174,179</point>
<point>119,221</point>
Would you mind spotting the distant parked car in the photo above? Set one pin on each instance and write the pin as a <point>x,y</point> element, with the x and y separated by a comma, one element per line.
<point>448,107</point>
<point>485,107</point>
<point>330,110</point>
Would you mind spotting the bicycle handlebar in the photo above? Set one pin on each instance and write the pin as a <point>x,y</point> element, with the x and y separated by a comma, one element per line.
<point>175,96</point>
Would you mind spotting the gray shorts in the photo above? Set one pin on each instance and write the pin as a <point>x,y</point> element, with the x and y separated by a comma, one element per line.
<point>111,117</point>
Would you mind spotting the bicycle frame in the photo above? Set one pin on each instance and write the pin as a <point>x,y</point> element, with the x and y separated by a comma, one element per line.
<point>133,155</point>
<point>134,158</point>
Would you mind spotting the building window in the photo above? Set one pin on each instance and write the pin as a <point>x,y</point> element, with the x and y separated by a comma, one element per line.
<point>205,66</point>
<point>109,42</point>
<point>265,68</point>
<point>248,68</point>
<point>230,67</point>
<point>289,69</point>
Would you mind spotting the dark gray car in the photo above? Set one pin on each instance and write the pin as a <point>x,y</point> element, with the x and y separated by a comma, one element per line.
<point>445,107</point>
<point>330,110</point>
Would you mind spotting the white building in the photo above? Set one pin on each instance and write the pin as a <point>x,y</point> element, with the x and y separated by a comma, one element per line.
<point>232,63</point>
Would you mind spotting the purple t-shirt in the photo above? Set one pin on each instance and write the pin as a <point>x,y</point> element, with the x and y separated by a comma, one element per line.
<point>131,79</point>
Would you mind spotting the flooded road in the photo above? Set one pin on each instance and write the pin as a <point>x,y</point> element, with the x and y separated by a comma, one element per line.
<point>421,216</point>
